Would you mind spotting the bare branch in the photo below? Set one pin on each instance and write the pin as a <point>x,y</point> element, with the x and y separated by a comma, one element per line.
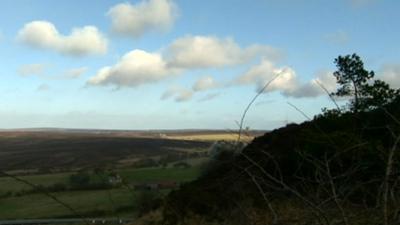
<point>386,181</point>
<point>329,94</point>
<point>251,103</point>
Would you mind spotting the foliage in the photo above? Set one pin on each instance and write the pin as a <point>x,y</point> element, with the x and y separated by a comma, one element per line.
<point>354,81</point>
<point>377,95</point>
<point>147,201</point>
<point>183,165</point>
<point>300,163</point>
<point>81,179</point>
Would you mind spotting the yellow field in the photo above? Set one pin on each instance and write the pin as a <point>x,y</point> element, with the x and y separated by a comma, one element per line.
<point>211,137</point>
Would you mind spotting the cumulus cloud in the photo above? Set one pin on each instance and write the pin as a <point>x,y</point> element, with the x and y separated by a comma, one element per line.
<point>179,94</point>
<point>264,72</point>
<point>206,51</point>
<point>313,87</point>
<point>285,80</point>
<point>32,69</point>
<point>75,72</point>
<point>139,67</point>
<point>148,15</point>
<point>204,83</point>
<point>82,41</point>
<point>390,73</point>
<point>135,68</point>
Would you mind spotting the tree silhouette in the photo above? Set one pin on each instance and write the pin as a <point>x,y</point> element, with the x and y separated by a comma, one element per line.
<point>352,77</point>
<point>355,82</point>
<point>377,95</point>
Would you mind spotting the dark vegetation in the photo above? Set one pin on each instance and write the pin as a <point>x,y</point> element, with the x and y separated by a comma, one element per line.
<point>48,151</point>
<point>342,167</point>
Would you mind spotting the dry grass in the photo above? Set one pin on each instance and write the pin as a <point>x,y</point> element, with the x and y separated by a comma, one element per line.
<point>211,137</point>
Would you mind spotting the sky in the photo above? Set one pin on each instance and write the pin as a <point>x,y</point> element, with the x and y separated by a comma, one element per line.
<point>183,64</point>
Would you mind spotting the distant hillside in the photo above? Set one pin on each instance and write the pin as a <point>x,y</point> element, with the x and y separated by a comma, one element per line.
<point>24,150</point>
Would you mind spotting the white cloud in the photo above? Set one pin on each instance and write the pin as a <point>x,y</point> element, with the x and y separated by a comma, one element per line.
<point>206,51</point>
<point>179,94</point>
<point>139,67</point>
<point>148,15</point>
<point>82,41</point>
<point>266,71</point>
<point>390,73</point>
<point>75,72</point>
<point>204,83</point>
<point>339,37</point>
<point>285,80</point>
<point>32,69</point>
<point>134,69</point>
<point>209,97</point>
<point>313,88</point>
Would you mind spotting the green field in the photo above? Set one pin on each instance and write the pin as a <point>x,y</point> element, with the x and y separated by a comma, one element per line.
<point>88,203</point>
<point>85,202</point>
<point>160,174</point>
<point>130,175</point>
<point>9,184</point>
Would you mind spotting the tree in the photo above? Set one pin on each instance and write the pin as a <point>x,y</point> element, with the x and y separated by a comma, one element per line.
<point>377,95</point>
<point>352,77</point>
<point>79,180</point>
<point>355,82</point>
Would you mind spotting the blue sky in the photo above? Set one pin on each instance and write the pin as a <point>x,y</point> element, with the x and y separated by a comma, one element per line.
<point>163,64</point>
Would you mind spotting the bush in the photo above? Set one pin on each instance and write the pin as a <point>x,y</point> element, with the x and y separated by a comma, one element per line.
<point>183,165</point>
<point>79,180</point>
<point>148,201</point>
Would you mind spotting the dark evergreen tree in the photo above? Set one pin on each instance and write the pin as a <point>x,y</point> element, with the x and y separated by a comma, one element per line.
<point>355,82</point>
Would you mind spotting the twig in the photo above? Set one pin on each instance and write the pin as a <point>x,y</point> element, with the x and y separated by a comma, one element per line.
<point>333,189</point>
<point>319,213</point>
<point>386,181</point>
<point>329,94</point>
<point>264,195</point>
<point>251,103</point>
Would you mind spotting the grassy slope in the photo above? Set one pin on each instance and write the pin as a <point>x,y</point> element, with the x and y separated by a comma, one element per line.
<point>86,202</point>
<point>131,175</point>
<point>9,184</point>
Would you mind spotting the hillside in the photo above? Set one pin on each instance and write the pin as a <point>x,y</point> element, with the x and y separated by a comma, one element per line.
<point>27,150</point>
<point>341,169</point>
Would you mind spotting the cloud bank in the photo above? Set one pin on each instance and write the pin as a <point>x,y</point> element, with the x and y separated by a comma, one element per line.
<point>140,67</point>
<point>286,81</point>
<point>208,51</point>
